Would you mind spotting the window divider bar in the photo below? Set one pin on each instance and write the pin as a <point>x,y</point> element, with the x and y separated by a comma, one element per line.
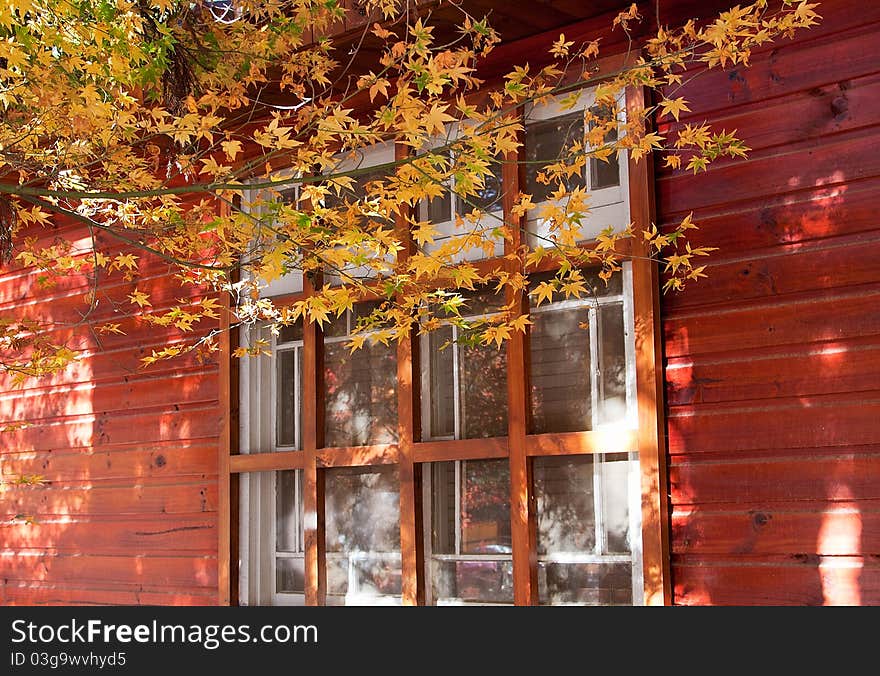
<point>313,477</point>
<point>649,375</point>
<point>412,554</point>
<point>523,520</point>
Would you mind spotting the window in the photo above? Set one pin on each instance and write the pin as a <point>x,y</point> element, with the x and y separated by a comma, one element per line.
<point>551,131</point>
<point>431,503</point>
<point>360,387</point>
<point>464,385</point>
<point>272,563</point>
<point>362,536</point>
<point>449,214</point>
<point>469,559</point>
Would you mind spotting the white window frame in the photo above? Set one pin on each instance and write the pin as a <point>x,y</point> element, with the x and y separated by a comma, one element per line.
<point>608,206</point>
<point>448,228</point>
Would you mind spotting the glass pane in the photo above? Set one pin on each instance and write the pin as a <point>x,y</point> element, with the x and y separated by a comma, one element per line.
<point>288,508</point>
<point>361,394</point>
<point>487,198</point>
<point>605,174</point>
<point>442,382</point>
<point>290,575</point>
<point>615,500</point>
<point>485,507</point>
<point>565,504</point>
<point>437,210</point>
<point>483,391</point>
<point>472,582</point>
<point>560,371</point>
<point>362,534</point>
<point>597,288</point>
<point>443,508</point>
<point>291,333</point>
<point>612,355</point>
<point>595,584</point>
<point>544,144</point>
<point>286,413</point>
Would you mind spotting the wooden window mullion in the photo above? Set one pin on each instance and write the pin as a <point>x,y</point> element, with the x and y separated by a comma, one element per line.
<point>649,377</point>
<point>409,471</point>
<point>312,440</point>
<point>523,522</point>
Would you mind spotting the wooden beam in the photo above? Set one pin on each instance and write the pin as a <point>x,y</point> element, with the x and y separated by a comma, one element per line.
<point>313,478</point>
<point>461,449</point>
<point>357,456</point>
<point>523,521</point>
<point>267,462</point>
<point>408,430</point>
<point>580,443</point>
<point>649,378</point>
<point>224,449</point>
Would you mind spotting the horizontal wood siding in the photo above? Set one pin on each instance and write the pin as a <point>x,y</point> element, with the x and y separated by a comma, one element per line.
<point>773,362</point>
<point>127,513</point>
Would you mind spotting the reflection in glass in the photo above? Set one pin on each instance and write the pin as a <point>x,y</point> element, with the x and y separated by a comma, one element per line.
<point>560,371</point>
<point>483,391</point>
<point>290,575</point>
<point>584,546</point>
<point>286,413</point>
<point>362,535</point>
<point>470,558</point>
<point>442,398</point>
<point>547,142</point>
<point>612,356</point>
<point>361,394</point>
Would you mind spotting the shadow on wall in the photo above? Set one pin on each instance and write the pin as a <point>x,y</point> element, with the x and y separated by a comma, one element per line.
<point>125,512</point>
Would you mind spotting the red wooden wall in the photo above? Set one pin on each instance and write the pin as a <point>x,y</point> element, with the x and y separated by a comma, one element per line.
<point>127,513</point>
<point>773,362</point>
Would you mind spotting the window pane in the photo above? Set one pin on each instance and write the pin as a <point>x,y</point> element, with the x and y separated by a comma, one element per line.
<point>487,198</point>
<point>444,508</point>
<point>442,382</point>
<point>291,333</point>
<point>361,394</point>
<point>560,371</point>
<point>437,210</point>
<point>485,507</point>
<point>286,413</point>
<point>585,583</point>
<point>565,504</point>
<point>483,391</point>
<point>290,575</point>
<point>544,144</point>
<point>612,354</point>
<point>362,535</point>
<point>288,508</point>
<point>472,581</point>
<point>597,288</point>
<point>615,491</point>
<point>605,174</point>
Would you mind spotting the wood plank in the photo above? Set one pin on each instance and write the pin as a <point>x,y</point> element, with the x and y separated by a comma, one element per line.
<point>461,449</point>
<point>802,474</point>
<point>788,371</point>
<point>808,318</point>
<point>802,166</point>
<point>267,462</point>
<point>128,464</point>
<point>831,263</point>
<point>137,498</point>
<point>814,581</point>
<point>358,456</point>
<point>523,506</point>
<point>836,529</point>
<point>799,422</point>
<point>412,554</point>
<point>578,443</point>
<point>649,376</point>
<point>185,573</point>
<point>179,533</point>
<point>313,478</point>
<point>54,594</point>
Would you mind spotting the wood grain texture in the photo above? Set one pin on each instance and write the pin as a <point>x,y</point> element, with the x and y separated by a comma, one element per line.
<point>773,361</point>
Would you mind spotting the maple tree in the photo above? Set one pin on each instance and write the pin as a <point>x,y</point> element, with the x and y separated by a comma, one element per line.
<point>224,138</point>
